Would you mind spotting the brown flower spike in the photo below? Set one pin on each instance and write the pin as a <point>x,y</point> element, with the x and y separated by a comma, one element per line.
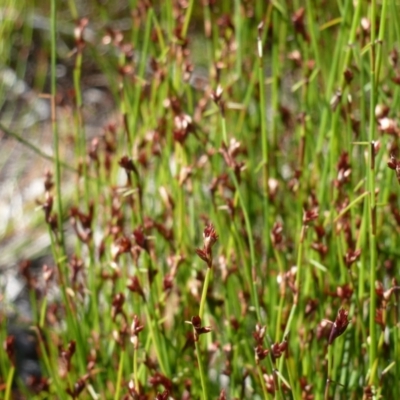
<point>198,329</point>
<point>339,326</point>
<point>209,239</point>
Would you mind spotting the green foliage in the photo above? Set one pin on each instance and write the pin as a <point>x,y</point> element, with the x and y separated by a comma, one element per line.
<point>276,126</point>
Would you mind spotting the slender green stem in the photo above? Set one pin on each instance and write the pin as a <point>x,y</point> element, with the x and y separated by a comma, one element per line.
<point>335,65</point>
<point>203,380</point>
<point>372,204</point>
<point>264,139</point>
<point>156,341</point>
<point>249,268</point>
<point>10,377</point>
<point>119,378</point>
<point>330,366</point>
<point>134,120</point>
<point>198,349</point>
<point>381,36</point>
<point>261,378</point>
<point>204,292</point>
<point>187,18</point>
<point>53,32</point>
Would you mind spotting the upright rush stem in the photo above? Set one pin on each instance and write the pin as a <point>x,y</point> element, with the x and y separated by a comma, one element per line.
<point>372,205</point>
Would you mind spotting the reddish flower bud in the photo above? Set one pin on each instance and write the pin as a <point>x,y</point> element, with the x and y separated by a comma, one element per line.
<point>210,236</point>
<point>135,287</point>
<point>163,396</point>
<point>277,349</point>
<point>117,304</point>
<point>140,238</point>
<point>339,326</point>
<point>135,329</point>
<point>351,257</point>
<point>309,216</point>
<point>260,353</point>
<point>8,346</point>
<point>209,239</point>
<point>198,329</point>
<point>276,234</point>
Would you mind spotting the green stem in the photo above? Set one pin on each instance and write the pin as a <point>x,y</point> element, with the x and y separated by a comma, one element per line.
<point>9,385</point>
<point>264,388</point>
<point>138,87</point>
<point>119,378</point>
<point>249,268</point>
<point>201,313</point>
<point>201,371</point>
<point>204,292</point>
<point>328,379</point>
<point>157,345</point>
<point>372,204</point>
<point>53,33</point>
<point>187,18</point>
<point>335,64</point>
<point>264,139</point>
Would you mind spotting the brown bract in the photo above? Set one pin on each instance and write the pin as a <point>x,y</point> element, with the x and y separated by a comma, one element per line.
<point>209,239</point>
<point>339,326</point>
